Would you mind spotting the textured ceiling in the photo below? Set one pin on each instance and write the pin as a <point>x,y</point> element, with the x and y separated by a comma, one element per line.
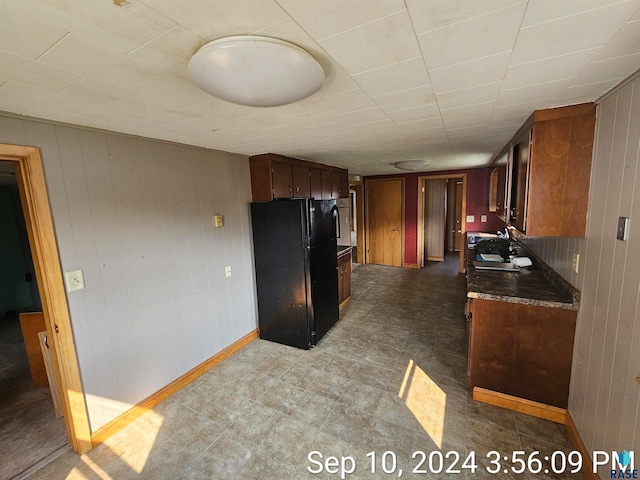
<point>444,80</point>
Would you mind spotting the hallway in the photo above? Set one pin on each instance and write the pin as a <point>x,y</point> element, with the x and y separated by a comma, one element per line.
<point>389,377</point>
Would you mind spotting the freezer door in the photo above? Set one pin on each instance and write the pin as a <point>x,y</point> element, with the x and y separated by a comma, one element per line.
<point>322,221</point>
<point>324,288</point>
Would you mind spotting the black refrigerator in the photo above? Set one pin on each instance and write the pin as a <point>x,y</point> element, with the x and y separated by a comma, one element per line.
<point>294,244</point>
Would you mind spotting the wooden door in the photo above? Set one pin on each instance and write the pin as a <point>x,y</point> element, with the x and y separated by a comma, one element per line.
<point>435,218</point>
<point>384,222</point>
<point>458,217</point>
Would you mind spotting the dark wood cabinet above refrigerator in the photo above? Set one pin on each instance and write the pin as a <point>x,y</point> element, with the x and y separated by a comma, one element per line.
<point>276,176</point>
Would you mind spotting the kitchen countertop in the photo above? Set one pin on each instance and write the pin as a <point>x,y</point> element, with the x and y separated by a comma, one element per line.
<point>538,285</point>
<point>343,250</point>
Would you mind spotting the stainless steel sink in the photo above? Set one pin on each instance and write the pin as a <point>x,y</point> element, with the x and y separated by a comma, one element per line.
<point>502,266</point>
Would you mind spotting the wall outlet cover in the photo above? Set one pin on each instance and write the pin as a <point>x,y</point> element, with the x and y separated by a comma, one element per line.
<point>575,262</point>
<point>74,280</point>
<point>471,218</point>
<point>623,228</point>
<point>483,218</point>
<point>227,271</point>
<point>218,221</point>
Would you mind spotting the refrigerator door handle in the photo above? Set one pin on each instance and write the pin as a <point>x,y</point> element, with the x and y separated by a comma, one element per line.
<point>337,219</point>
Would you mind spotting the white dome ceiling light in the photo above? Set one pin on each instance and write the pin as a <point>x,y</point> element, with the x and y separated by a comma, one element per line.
<point>255,71</point>
<point>412,165</point>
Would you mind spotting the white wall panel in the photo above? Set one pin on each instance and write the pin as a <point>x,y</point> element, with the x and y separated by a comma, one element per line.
<point>605,398</point>
<point>136,216</point>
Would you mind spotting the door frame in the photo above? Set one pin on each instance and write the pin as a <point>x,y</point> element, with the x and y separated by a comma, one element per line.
<point>421,212</point>
<point>360,229</point>
<point>44,250</point>
<point>367,182</point>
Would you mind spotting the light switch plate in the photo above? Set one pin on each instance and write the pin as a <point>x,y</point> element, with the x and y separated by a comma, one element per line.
<point>471,218</point>
<point>74,280</point>
<point>227,271</point>
<point>623,228</point>
<point>218,221</point>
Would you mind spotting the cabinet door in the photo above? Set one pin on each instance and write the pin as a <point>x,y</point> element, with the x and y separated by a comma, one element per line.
<point>520,182</point>
<point>282,180</point>
<point>501,193</point>
<point>346,279</point>
<point>261,178</point>
<point>340,281</point>
<point>301,187</point>
<point>335,184</point>
<point>493,190</point>
<point>339,184</point>
<point>522,350</point>
<point>343,186</point>
<point>315,180</point>
<point>326,185</point>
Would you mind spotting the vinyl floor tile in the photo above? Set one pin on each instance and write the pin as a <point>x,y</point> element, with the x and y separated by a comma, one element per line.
<point>389,377</point>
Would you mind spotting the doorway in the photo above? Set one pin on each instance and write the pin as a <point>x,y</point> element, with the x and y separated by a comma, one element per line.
<point>29,175</point>
<point>356,195</point>
<point>30,422</point>
<point>441,217</point>
<point>384,221</point>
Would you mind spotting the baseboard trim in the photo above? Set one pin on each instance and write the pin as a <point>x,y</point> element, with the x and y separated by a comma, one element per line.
<point>118,423</point>
<point>521,405</point>
<point>411,265</point>
<point>578,444</point>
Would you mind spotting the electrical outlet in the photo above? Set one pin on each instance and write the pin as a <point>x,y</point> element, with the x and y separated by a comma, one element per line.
<point>576,262</point>
<point>623,228</point>
<point>227,271</point>
<point>218,221</point>
<point>74,280</point>
<point>483,218</point>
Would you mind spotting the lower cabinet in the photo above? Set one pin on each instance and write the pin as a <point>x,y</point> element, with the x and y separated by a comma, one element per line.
<point>344,277</point>
<point>521,350</point>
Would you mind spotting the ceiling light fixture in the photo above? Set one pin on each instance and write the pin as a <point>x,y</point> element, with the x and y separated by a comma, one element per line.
<point>255,71</point>
<point>412,165</point>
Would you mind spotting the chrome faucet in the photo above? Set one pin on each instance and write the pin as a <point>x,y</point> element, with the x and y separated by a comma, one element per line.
<point>504,234</point>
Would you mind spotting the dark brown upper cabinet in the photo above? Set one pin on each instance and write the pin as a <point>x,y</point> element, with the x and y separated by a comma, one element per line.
<point>275,176</point>
<point>546,180</point>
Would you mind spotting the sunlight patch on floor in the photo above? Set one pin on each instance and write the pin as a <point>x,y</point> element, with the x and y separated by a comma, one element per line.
<point>426,401</point>
<point>130,445</point>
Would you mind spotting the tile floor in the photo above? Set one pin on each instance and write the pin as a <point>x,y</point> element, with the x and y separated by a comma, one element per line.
<point>390,377</point>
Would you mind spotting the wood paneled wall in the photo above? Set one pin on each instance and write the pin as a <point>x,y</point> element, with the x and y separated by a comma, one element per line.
<point>604,397</point>
<point>136,216</point>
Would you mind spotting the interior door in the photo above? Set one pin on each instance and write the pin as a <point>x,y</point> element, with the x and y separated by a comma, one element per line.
<point>458,217</point>
<point>435,218</point>
<point>384,222</point>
